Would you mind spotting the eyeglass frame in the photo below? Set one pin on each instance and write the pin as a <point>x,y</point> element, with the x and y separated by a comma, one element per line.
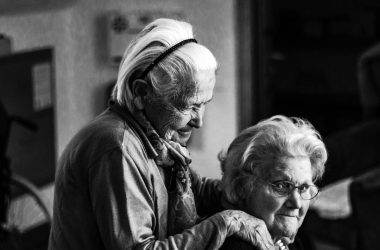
<point>293,186</point>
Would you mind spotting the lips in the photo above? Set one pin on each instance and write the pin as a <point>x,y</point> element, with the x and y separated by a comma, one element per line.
<point>184,131</point>
<point>289,215</point>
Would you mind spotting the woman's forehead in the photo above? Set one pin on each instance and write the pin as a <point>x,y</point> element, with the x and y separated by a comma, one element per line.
<point>203,87</point>
<point>201,96</point>
<point>294,168</point>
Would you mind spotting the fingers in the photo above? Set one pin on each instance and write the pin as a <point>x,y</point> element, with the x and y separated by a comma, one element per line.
<point>248,228</point>
<point>262,237</point>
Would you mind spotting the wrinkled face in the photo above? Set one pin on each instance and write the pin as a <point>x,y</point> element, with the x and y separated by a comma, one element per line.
<point>282,215</point>
<point>175,122</point>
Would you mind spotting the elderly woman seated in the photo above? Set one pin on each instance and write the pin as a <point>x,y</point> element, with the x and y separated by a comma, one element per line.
<point>269,171</point>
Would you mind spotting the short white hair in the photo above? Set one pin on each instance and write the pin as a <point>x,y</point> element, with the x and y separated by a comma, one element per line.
<point>166,77</point>
<point>259,149</point>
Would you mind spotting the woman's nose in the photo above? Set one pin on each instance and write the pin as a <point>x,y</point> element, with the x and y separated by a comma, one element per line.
<point>197,120</point>
<point>294,199</point>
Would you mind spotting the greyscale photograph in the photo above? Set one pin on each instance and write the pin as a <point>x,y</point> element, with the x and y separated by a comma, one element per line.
<point>189,124</point>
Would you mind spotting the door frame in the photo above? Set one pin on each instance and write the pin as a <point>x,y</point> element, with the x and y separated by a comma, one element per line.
<point>251,60</point>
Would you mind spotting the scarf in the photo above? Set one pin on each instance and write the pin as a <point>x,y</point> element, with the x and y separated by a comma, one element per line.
<point>182,212</point>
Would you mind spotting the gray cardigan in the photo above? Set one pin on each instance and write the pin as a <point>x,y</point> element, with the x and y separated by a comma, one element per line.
<point>110,194</point>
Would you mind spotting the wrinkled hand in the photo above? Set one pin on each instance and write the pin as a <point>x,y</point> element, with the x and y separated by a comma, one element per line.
<point>248,228</point>
<point>333,202</point>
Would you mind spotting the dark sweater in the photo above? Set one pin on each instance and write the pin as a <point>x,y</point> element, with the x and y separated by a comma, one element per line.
<point>232,243</point>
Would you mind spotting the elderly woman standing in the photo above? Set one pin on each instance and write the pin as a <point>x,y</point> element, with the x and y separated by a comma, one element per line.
<point>269,171</point>
<point>124,181</point>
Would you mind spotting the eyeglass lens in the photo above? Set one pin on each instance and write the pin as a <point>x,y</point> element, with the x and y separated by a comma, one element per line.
<point>284,188</point>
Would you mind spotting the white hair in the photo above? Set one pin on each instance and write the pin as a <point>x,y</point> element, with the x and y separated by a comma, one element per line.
<point>259,148</point>
<point>167,77</point>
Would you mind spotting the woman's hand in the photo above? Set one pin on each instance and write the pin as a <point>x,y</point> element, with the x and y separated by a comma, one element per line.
<point>248,228</point>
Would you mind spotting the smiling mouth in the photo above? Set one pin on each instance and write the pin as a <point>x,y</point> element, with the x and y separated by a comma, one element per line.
<point>184,134</point>
<point>184,131</point>
<point>288,215</point>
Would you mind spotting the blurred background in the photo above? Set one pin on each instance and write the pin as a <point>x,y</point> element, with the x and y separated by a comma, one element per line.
<point>59,59</point>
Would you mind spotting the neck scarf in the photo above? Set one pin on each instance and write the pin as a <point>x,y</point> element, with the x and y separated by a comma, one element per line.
<point>182,213</point>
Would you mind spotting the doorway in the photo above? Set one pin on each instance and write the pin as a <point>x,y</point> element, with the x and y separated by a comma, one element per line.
<point>304,59</point>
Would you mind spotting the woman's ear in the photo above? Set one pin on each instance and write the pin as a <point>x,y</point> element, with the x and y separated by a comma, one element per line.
<point>140,92</point>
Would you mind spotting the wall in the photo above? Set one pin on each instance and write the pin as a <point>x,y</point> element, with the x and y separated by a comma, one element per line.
<point>77,33</point>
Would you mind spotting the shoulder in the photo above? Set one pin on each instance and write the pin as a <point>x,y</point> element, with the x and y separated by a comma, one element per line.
<point>106,133</point>
<point>110,130</point>
<point>105,128</point>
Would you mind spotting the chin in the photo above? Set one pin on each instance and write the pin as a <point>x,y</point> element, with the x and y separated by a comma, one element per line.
<point>287,232</point>
<point>180,138</point>
<point>183,141</point>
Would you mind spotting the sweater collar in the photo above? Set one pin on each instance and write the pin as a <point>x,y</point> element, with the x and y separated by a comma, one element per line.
<point>124,113</point>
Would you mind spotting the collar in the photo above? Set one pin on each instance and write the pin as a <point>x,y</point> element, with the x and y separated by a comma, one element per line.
<point>126,115</point>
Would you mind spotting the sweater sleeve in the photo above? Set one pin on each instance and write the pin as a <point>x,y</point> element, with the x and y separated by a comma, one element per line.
<point>123,201</point>
<point>208,194</point>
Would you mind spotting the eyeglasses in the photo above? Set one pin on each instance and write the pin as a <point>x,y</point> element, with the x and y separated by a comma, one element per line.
<point>285,188</point>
